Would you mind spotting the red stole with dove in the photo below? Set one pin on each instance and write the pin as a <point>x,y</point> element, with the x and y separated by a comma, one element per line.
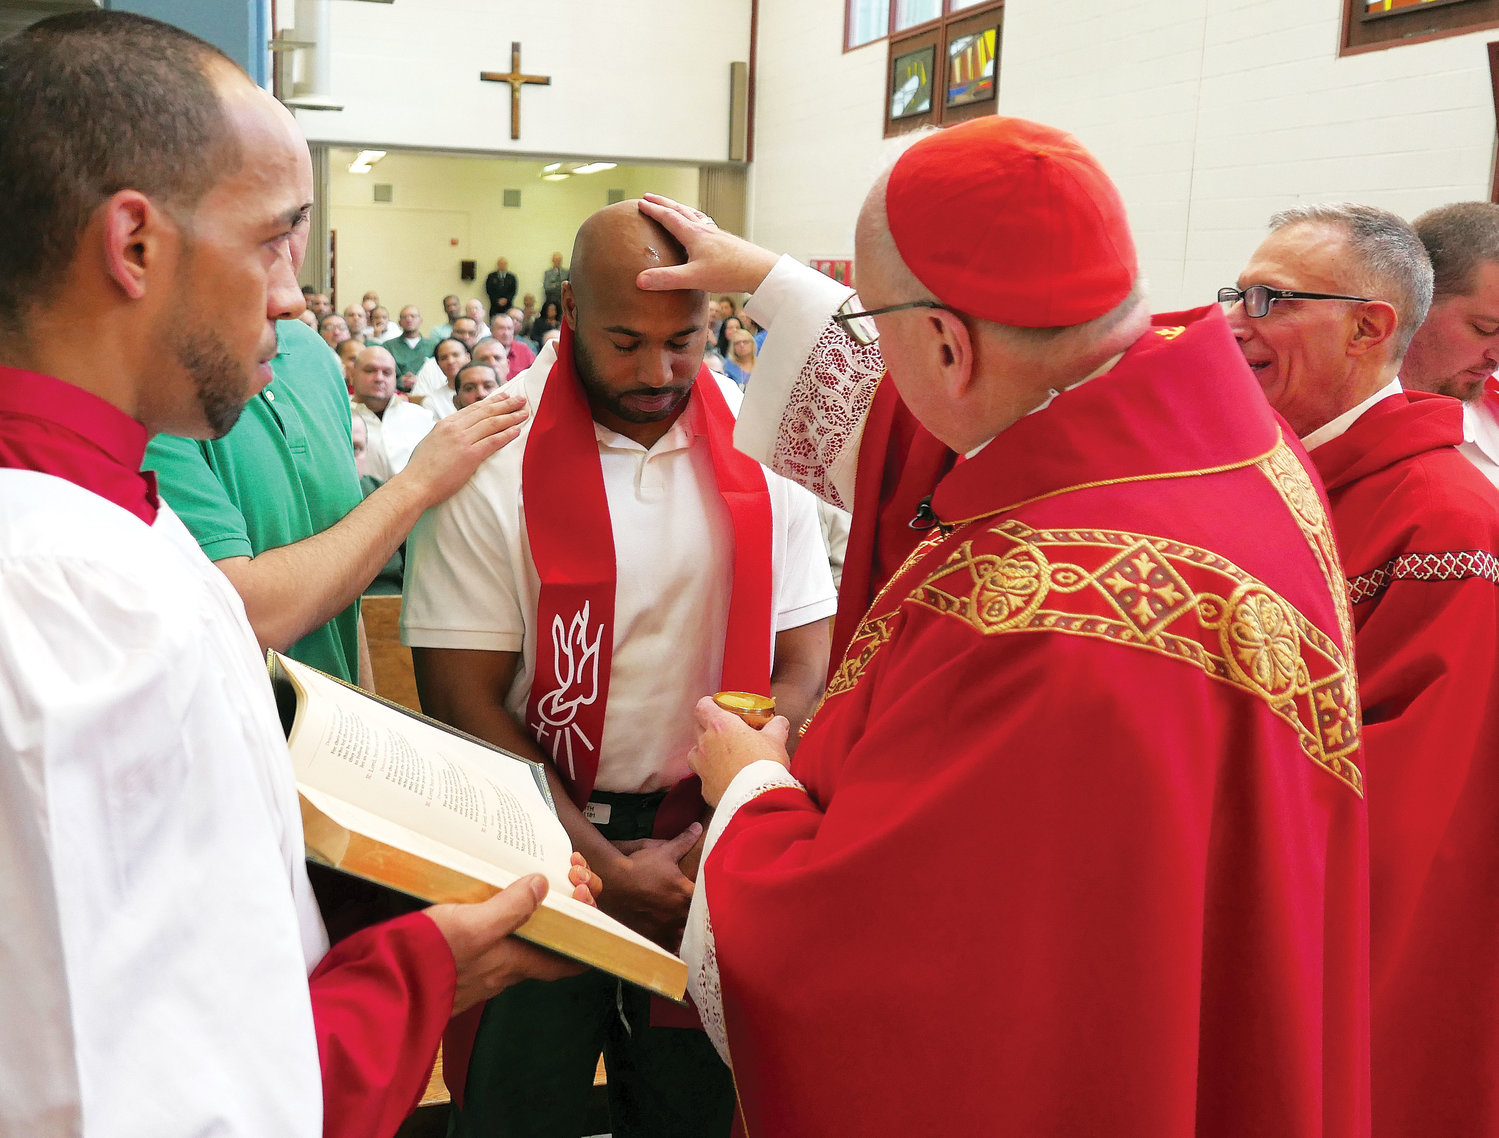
<point>572,544</point>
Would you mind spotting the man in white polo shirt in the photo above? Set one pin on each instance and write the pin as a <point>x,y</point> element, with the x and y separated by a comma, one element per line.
<point>571,603</point>
<point>394,426</point>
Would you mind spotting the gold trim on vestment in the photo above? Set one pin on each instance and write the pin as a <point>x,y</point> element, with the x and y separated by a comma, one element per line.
<point>1294,485</point>
<point>1124,481</point>
<point>1155,594</point>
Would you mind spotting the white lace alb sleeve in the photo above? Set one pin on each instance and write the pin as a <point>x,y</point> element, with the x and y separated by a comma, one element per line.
<point>698,947</point>
<point>803,414</point>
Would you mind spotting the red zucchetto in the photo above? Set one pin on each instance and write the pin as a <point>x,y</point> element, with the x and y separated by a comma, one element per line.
<point>1013,222</point>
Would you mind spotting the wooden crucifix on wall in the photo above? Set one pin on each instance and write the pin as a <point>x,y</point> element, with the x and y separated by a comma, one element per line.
<point>515,79</point>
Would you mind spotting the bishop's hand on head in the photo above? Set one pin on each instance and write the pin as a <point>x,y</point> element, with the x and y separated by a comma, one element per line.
<point>716,261</point>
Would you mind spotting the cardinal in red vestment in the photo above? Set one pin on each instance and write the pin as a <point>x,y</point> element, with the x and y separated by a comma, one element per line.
<point>1076,842</point>
<point>1418,529</point>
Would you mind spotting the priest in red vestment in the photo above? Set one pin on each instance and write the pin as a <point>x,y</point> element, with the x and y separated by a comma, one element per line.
<point>1418,528</point>
<point>1456,350</point>
<point>1076,843</point>
<point>166,970</point>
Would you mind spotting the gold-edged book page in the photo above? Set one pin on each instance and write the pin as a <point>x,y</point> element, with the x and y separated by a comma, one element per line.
<point>409,804</point>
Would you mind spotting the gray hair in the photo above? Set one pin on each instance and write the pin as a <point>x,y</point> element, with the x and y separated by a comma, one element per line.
<point>1459,238</point>
<point>1393,265</point>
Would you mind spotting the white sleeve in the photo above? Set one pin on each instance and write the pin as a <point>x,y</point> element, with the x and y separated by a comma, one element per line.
<point>406,425</point>
<point>92,702</point>
<point>91,707</point>
<point>835,529</point>
<point>428,379</point>
<point>39,1076</point>
<point>698,948</point>
<point>377,462</point>
<point>464,564</point>
<point>150,849</point>
<point>804,414</point>
<point>805,592</point>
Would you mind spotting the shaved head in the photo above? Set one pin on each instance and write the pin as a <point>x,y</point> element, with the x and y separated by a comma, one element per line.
<point>373,376</point>
<point>636,353</point>
<point>614,245</point>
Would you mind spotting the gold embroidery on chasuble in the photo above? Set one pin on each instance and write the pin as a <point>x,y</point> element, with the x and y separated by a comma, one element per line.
<point>1148,593</point>
<point>869,639</point>
<point>1290,479</point>
<point>873,631</point>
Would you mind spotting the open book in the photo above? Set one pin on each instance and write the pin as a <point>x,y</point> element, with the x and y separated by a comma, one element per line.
<point>399,799</point>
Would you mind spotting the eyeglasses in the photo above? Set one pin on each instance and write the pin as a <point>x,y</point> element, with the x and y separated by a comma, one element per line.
<point>1258,298</point>
<point>862,330</point>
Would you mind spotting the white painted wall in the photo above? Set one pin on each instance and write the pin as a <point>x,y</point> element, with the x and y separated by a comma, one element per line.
<point>819,116</point>
<point>404,249</point>
<point>1210,114</point>
<point>630,81</point>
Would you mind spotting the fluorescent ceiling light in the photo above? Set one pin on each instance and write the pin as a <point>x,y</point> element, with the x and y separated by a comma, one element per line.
<point>369,157</point>
<point>360,167</point>
<point>595,167</point>
<point>551,167</point>
<point>555,177</point>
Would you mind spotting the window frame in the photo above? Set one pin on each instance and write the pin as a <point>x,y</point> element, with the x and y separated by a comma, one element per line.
<point>848,25</point>
<point>1420,23</point>
<point>948,14</point>
<point>941,33</point>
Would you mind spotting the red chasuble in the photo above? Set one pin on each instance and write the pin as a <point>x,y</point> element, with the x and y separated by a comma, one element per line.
<point>1082,848</point>
<point>381,998</point>
<point>898,467</point>
<point>1418,527</point>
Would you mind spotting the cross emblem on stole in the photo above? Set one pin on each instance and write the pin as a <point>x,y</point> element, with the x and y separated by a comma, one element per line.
<point>515,78</point>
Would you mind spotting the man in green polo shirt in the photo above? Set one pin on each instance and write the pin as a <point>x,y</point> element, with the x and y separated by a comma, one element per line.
<point>276,502</point>
<point>411,349</point>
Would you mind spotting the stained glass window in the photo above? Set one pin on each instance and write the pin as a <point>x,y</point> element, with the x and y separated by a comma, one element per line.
<point>1372,25</point>
<point>1392,5</point>
<point>946,70</point>
<point>970,68</point>
<point>911,83</point>
<point>1376,8</point>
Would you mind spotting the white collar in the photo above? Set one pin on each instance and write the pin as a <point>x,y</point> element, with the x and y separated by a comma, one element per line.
<point>1481,428</point>
<point>1331,430</point>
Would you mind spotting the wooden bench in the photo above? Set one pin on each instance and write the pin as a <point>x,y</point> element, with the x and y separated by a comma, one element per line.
<point>390,659</point>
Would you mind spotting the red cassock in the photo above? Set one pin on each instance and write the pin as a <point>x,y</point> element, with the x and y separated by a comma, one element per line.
<point>1418,527</point>
<point>1083,848</point>
<point>380,1001</point>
